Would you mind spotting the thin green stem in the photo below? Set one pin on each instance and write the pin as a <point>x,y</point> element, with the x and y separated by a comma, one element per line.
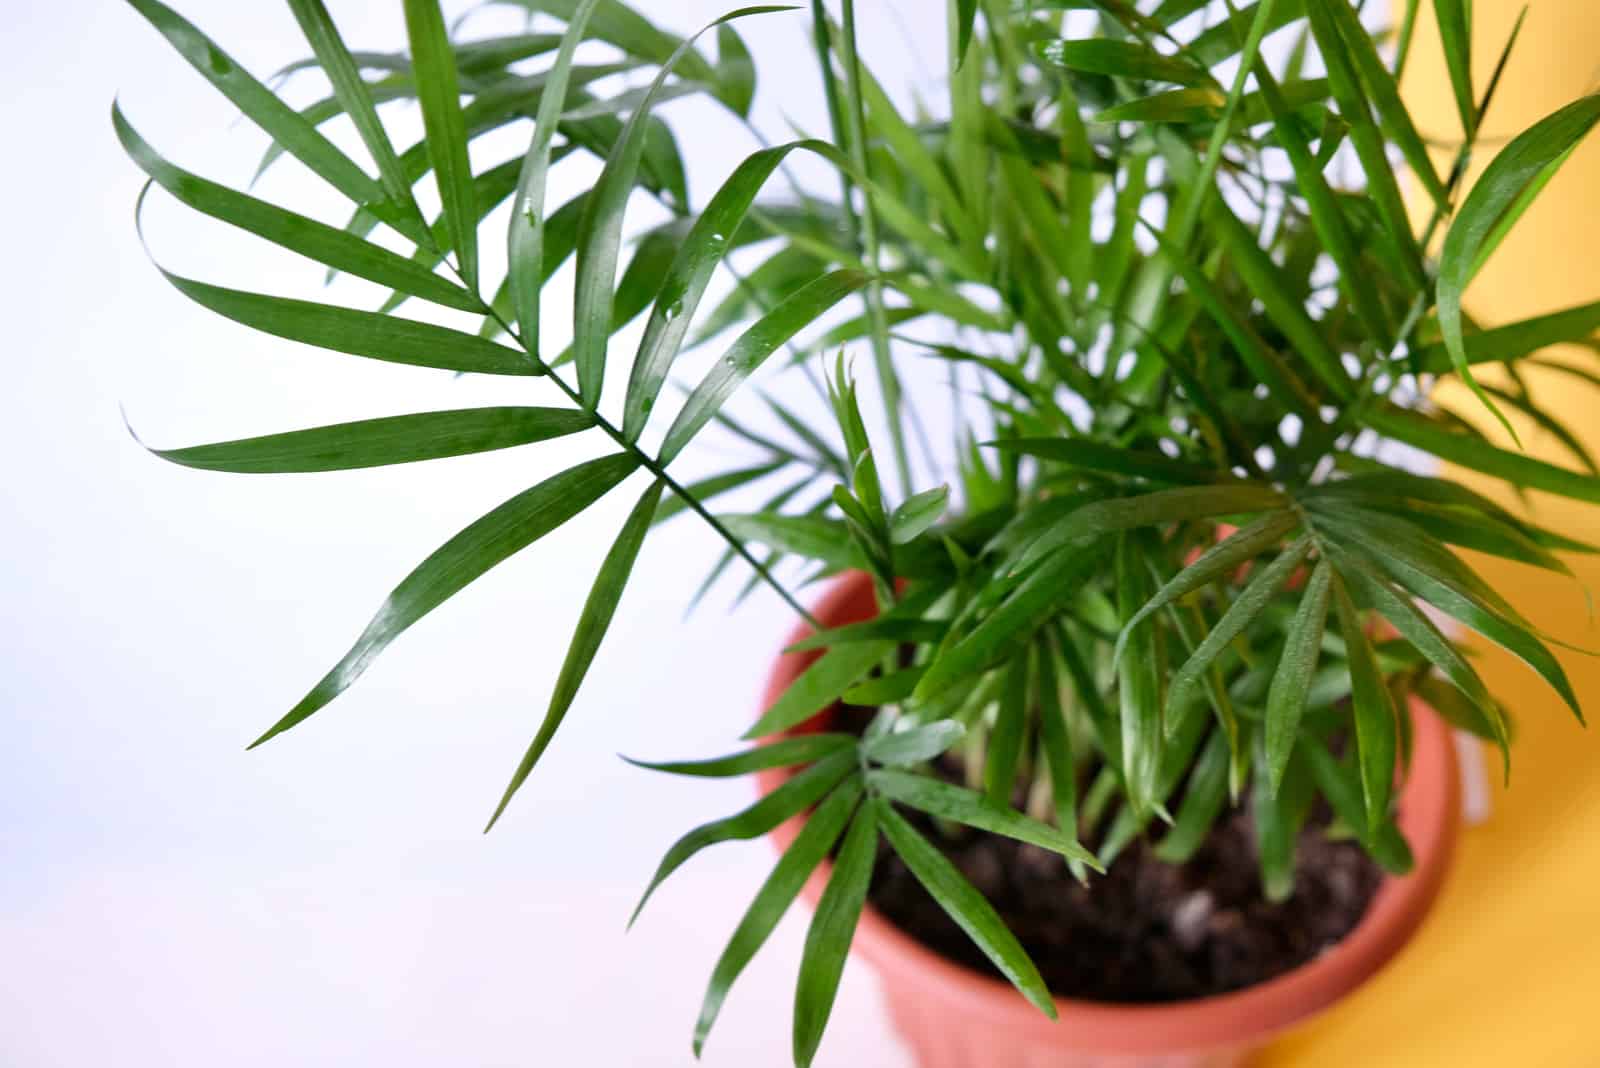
<point>888,381</point>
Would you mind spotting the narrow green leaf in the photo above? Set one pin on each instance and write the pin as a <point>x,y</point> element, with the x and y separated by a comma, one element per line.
<point>1149,509</point>
<point>495,537</point>
<point>354,98</point>
<point>826,540</point>
<point>318,241</point>
<point>1415,627</point>
<point>917,514</point>
<point>1369,143</point>
<point>1261,588</point>
<point>1048,585</point>
<point>1220,560</point>
<point>1478,455</point>
<point>439,93</point>
<point>1373,706</point>
<point>600,229</point>
<point>1286,701</point>
<point>1203,799</point>
<point>832,929</point>
<point>809,848</point>
<point>1455,32</point>
<point>680,292</point>
<point>820,685</point>
<point>972,809</point>
<point>1138,685</point>
<point>399,439</point>
<point>1384,90</point>
<point>277,119</point>
<point>966,19</point>
<point>1528,159</point>
<point>356,333</point>
<point>1341,786</point>
<point>1005,740</point>
<point>1125,59</point>
<point>753,347</point>
<point>783,753</point>
<point>914,746</point>
<point>736,72</point>
<point>1436,575</point>
<point>789,800</point>
<point>1055,739</point>
<point>966,907</point>
<point>1327,213</point>
<point>593,623</point>
<point>1279,815</point>
<point>525,240</point>
<point>1174,105</point>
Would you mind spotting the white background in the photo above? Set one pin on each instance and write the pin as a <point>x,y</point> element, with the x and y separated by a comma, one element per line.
<point>168,899</point>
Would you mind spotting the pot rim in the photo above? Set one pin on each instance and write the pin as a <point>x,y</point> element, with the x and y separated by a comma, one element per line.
<point>1429,817</point>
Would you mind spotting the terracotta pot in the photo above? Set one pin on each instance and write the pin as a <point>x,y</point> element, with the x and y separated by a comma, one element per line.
<point>953,1017</point>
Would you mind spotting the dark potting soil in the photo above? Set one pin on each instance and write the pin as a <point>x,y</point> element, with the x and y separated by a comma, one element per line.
<point>1146,931</point>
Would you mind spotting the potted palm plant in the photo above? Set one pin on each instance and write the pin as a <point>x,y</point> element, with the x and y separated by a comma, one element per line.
<point>1137,697</point>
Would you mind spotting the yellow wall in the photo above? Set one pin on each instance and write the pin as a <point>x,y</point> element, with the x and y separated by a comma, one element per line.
<point>1507,970</point>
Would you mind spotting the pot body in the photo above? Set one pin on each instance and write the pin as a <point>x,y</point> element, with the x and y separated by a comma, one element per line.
<point>953,1017</point>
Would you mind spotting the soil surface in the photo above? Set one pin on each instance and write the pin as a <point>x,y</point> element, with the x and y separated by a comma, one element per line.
<point>1146,931</point>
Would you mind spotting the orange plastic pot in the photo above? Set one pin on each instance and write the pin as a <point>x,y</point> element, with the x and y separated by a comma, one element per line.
<point>953,1017</point>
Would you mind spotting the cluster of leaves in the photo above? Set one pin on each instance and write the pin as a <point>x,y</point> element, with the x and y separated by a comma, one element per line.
<point>1174,575</point>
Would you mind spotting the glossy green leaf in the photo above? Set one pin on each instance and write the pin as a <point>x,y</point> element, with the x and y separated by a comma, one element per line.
<point>593,622</point>
<point>783,753</point>
<point>972,809</point>
<point>1454,18</point>
<point>600,229</point>
<point>684,285</point>
<point>1526,160</point>
<point>753,347</point>
<point>914,746</point>
<point>820,685</point>
<point>917,514</point>
<point>280,122</point>
<point>1124,59</point>
<point>525,239</point>
<point>399,439</point>
<point>1377,736</point>
<point>1048,585</point>
<point>357,333</point>
<point>809,848</point>
<point>1138,684</point>
<point>439,93</point>
<point>326,244</point>
<point>1384,90</point>
<point>714,486</point>
<point>1174,105</point>
<point>1341,785</point>
<point>791,799</point>
<point>492,539</point>
<point>356,101</point>
<point>1286,701</point>
<point>1219,561</point>
<point>1478,455</point>
<point>832,929</point>
<point>1264,584</point>
<point>966,907</point>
